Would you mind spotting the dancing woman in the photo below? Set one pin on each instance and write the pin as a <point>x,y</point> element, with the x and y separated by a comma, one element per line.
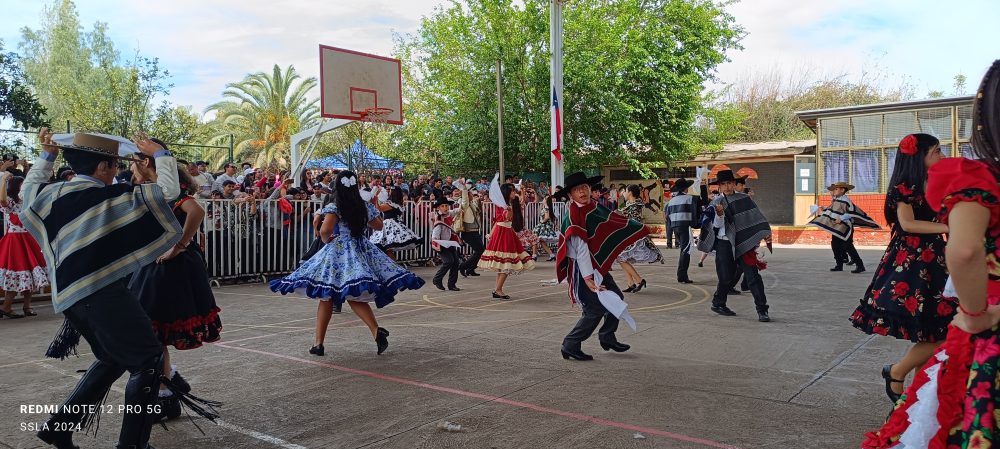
<point>349,267</point>
<point>545,229</point>
<point>175,290</point>
<point>904,299</point>
<point>22,266</point>
<point>953,399</point>
<point>394,236</point>
<point>504,252</point>
<point>642,251</point>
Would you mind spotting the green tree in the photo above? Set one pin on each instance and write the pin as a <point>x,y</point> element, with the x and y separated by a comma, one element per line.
<point>17,102</point>
<point>633,76</point>
<point>81,78</point>
<point>766,102</point>
<point>262,112</point>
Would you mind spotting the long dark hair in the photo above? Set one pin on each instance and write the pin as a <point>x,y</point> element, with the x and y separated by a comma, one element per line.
<point>548,206</point>
<point>506,190</point>
<point>985,123</point>
<point>352,208</point>
<point>14,188</point>
<point>910,171</point>
<point>517,220</point>
<point>396,195</point>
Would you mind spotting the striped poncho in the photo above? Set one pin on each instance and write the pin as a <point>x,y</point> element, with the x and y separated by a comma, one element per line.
<point>745,224</point>
<point>850,215</point>
<point>92,234</point>
<point>606,233</point>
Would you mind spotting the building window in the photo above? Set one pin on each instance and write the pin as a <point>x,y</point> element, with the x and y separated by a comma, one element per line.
<point>834,166</point>
<point>865,170</point>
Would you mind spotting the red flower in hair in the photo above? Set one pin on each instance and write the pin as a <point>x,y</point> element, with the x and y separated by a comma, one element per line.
<point>908,145</point>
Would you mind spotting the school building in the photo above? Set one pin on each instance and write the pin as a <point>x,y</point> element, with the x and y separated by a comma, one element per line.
<point>856,144</point>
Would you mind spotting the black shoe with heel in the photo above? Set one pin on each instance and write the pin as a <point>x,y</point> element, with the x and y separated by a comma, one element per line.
<point>575,354</point>
<point>499,296</point>
<point>839,267</point>
<point>641,285</point>
<point>887,375</point>
<point>616,346</point>
<point>381,340</point>
<point>59,440</point>
<point>630,289</point>
<point>317,350</point>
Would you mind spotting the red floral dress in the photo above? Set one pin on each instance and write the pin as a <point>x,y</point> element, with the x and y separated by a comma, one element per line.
<point>904,299</point>
<point>952,401</point>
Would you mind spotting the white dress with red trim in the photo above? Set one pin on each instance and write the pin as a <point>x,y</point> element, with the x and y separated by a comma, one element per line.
<point>504,251</point>
<point>952,402</point>
<point>22,266</point>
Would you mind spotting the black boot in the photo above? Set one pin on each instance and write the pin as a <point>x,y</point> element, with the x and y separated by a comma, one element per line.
<point>839,267</point>
<point>859,266</point>
<point>140,394</point>
<point>91,390</point>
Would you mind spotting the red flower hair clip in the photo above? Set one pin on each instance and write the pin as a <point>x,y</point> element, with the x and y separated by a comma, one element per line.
<point>908,145</point>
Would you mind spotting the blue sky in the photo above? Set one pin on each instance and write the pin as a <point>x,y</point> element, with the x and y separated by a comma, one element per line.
<point>208,43</point>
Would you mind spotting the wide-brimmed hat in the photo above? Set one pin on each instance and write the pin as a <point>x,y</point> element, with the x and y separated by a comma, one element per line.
<point>723,176</point>
<point>576,179</point>
<point>443,202</point>
<point>102,144</point>
<point>841,185</point>
<point>681,185</point>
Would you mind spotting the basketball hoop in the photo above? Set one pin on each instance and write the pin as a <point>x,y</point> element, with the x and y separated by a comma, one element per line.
<point>376,115</point>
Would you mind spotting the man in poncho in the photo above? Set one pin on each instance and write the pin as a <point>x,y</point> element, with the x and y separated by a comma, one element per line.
<point>737,229</point>
<point>592,237</point>
<point>839,219</point>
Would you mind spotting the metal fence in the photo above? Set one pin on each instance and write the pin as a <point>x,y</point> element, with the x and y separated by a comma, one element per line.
<point>255,240</point>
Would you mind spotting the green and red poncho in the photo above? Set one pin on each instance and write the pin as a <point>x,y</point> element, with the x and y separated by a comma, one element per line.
<point>606,234</point>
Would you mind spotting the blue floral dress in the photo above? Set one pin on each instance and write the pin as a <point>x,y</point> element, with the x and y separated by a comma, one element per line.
<point>349,268</point>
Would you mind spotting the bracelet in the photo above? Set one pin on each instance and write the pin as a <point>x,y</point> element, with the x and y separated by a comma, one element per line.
<point>977,314</point>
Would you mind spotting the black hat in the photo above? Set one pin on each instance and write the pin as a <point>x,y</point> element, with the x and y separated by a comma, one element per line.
<point>442,201</point>
<point>681,185</point>
<point>573,180</point>
<point>723,176</point>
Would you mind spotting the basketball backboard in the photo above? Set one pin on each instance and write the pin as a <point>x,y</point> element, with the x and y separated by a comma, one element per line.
<point>352,82</point>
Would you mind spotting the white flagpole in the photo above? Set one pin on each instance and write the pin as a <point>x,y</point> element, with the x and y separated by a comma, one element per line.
<point>556,75</point>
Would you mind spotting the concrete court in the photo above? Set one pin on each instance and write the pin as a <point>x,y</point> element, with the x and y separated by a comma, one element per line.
<point>692,380</point>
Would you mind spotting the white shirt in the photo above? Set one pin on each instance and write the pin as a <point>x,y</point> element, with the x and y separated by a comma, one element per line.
<point>221,179</point>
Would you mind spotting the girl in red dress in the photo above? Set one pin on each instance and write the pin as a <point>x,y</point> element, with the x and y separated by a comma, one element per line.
<point>504,252</point>
<point>22,267</point>
<point>952,402</point>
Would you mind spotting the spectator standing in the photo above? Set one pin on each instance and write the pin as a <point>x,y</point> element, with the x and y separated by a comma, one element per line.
<point>229,175</point>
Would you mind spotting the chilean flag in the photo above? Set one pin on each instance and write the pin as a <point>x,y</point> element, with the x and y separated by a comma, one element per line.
<point>557,130</point>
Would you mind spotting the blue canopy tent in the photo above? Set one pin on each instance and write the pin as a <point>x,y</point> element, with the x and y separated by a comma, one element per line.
<point>357,157</point>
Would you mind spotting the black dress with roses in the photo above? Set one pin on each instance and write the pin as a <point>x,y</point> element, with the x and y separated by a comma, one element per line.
<point>904,299</point>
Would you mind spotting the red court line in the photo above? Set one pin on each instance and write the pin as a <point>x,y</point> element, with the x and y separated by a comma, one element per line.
<point>492,398</point>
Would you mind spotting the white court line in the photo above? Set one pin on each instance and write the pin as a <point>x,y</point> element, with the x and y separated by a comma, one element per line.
<point>260,436</point>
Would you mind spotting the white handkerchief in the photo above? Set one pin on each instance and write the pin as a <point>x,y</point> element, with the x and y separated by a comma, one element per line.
<point>615,304</point>
<point>447,243</point>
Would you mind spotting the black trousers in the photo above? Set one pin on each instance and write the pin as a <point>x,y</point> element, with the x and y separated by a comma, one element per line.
<point>121,338</point>
<point>449,265</point>
<point>844,250</point>
<point>593,311</point>
<point>726,267</point>
<point>683,235</point>
<point>475,241</point>
<point>670,235</point>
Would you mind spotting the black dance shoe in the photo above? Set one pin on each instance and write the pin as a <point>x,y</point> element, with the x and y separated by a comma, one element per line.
<point>575,354</point>
<point>724,311</point>
<point>473,273</point>
<point>381,340</point>
<point>839,267</point>
<point>337,308</point>
<point>763,317</point>
<point>454,289</point>
<point>685,281</point>
<point>701,264</point>
<point>317,350</point>
<point>858,268</point>
<point>59,440</point>
<point>630,289</point>
<point>887,375</point>
<point>499,296</point>
<point>641,285</point>
<point>439,285</point>
<point>464,273</point>
<point>616,346</point>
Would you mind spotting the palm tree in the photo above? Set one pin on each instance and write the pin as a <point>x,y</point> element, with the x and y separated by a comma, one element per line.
<point>262,112</point>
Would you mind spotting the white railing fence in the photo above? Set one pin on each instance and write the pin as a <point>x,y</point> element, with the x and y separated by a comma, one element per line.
<point>255,240</point>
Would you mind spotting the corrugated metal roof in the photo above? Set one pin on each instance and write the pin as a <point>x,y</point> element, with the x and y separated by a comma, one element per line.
<point>810,117</point>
